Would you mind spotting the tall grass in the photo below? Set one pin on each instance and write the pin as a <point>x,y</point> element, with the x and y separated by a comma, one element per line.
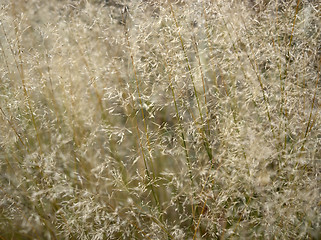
<point>160,119</point>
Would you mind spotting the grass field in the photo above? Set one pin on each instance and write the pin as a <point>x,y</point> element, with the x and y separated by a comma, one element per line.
<point>160,119</point>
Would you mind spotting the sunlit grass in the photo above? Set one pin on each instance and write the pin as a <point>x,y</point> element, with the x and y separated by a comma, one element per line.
<point>160,120</point>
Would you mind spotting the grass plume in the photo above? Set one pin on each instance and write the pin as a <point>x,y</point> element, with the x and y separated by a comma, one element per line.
<point>125,119</point>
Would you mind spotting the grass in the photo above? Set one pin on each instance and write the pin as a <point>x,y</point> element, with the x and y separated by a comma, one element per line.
<point>160,119</point>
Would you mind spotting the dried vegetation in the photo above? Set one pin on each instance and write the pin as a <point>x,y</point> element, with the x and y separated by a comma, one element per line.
<point>160,119</point>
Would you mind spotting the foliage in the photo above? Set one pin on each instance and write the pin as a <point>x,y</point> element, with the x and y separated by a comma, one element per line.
<point>160,119</point>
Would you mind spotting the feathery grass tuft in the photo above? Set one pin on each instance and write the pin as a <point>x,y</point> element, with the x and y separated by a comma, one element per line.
<point>150,119</point>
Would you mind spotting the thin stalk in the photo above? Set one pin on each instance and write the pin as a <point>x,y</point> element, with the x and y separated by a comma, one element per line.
<point>151,176</point>
<point>286,71</point>
<point>210,45</point>
<point>3,51</point>
<point>187,62</point>
<point>14,129</point>
<point>282,82</point>
<point>51,89</point>
<point>137,82</point>
<point>157,221</point>
<point>20,70</point>
<point>184,143</point>
<point>182,133</point>
<point>178,117</point>
<point>146,166</point>
<point>191,75</point>
<point>255,69</point>
<point>91,77</point>
<point>294,21</point>
<point>204,205</point>
<point>203,82</point>
<point>205,141</point>
<point>104,116</point>
<point>310,123</point>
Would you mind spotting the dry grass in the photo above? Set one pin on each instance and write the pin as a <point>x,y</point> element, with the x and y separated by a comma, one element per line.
<point>160,119</point>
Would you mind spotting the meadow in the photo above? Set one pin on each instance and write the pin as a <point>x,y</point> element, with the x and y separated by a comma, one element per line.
<point>142,119</point>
